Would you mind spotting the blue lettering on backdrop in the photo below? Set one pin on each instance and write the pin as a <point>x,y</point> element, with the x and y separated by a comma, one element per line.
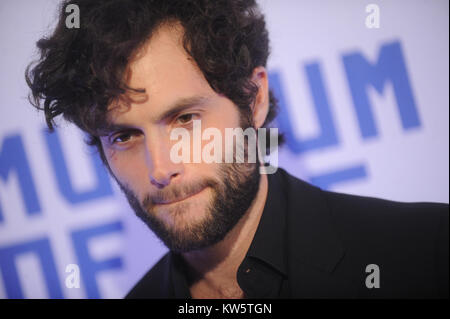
<point>39,247</point>
<point>14,158</point>
<point>103,187</point>
<point>327,180</point>
<point>360,73</point>
<point>390,66</point>
<point>88,266</point>
<point>327,136</point>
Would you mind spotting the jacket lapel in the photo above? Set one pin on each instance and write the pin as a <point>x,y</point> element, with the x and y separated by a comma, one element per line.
<point>314,247</point>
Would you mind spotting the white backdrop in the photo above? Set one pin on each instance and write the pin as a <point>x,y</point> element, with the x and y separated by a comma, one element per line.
<point>365,111</point>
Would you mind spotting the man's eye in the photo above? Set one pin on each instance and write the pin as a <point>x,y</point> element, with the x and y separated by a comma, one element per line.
<point>121,138</point>
<point>184,119</point>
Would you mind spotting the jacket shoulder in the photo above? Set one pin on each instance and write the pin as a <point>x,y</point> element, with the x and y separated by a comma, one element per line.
<point>375,215</point>
<point>370,214</point>
<point>155,283</point>
<point>409,242</point>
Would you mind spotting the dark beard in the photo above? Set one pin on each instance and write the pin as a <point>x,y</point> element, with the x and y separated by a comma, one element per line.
<point>233,195</point>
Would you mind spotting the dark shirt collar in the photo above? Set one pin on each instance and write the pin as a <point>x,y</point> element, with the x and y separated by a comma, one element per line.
<point>178,277</point>
<point>268,244</point>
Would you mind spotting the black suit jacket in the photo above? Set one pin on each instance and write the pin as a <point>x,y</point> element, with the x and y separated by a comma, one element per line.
<point>333,237</point>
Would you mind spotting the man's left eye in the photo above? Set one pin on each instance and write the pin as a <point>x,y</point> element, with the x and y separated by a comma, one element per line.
<point>186,118</point>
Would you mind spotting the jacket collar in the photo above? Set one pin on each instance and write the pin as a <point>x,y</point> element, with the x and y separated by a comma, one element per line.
<point>314,246</point>
<point>269,244</point>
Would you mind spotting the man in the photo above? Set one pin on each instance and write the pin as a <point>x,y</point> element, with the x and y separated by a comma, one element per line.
<point>137,70</point>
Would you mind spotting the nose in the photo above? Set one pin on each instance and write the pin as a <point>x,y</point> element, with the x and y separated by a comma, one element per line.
<point>162,170</point>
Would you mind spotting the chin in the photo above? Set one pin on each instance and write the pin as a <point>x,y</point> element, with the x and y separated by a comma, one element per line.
<point>179,215</point>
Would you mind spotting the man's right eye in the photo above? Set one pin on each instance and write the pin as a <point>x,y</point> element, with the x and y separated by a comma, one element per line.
<point>121,138</point>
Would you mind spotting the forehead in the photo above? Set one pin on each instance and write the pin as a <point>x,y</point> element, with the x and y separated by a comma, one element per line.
<point>165,70</point>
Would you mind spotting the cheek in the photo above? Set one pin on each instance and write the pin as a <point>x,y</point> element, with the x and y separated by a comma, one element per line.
<point>127,168</point>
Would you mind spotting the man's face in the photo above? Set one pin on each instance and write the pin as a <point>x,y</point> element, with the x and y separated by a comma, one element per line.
<point>188,205</point>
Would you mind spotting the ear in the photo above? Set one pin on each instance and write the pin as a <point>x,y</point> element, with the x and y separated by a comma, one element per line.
<point>261,105</point>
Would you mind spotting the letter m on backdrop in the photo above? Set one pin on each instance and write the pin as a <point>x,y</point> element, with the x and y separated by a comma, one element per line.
<point>390,66</point>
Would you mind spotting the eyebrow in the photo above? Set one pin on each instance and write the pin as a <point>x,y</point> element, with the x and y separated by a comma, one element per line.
<point>175,108</point>
<point>182,104</point>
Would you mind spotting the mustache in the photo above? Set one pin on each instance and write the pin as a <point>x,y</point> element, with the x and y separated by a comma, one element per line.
<point>177,193</point>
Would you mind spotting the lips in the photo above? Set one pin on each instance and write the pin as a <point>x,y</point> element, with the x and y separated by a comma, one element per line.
<point>168,202</point>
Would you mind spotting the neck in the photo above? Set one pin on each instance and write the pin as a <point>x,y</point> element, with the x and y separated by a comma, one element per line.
<point>217,265</point>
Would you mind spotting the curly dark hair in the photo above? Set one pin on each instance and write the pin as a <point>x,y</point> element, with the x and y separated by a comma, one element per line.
<point>81,70</point>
